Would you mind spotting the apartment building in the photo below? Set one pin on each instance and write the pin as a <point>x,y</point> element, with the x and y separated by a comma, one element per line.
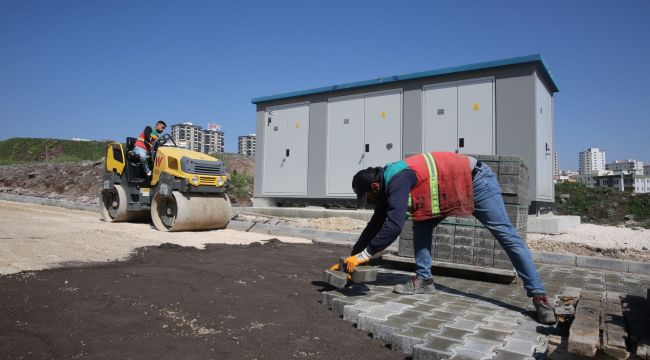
<point>194,137</point>
<point>628,166</point>
<point>247,145</point>
<point>591,161</point>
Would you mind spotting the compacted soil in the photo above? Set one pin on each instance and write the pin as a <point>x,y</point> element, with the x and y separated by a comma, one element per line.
<point>172,302</point>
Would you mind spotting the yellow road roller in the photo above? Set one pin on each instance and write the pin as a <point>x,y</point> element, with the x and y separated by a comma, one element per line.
<point>187,189</point>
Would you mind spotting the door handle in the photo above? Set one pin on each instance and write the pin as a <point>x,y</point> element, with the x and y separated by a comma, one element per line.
<point>461,142</point>
<point>367,147</point>
<point>287,153</point>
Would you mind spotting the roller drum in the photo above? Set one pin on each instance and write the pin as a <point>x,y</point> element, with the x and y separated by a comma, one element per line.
<point>180,212</point>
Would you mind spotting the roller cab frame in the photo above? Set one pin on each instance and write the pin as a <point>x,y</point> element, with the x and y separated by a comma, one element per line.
<point>187,190</point>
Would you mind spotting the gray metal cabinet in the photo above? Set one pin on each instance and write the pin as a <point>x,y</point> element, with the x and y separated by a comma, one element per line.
<point>286,150</point>
<point>345,153</point>
<point>362,131</point>
<point>543,142</point>
<point>475,117</point>
<point>383,128</point>
<point>459,117</point>
<point>440,114</point>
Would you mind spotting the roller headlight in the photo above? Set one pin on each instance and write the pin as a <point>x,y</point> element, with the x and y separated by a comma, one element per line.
<point>194,180</point>
<point>219,181</point>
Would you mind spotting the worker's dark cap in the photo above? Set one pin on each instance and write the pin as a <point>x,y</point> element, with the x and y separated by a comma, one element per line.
<point>361,184</point>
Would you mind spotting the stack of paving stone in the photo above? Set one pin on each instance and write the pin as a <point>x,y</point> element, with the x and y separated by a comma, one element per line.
<point>465,240</point>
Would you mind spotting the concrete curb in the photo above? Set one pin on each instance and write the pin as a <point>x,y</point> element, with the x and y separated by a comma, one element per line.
<point>50,202</point>
<point>348,239</point>
<point>591,262</point>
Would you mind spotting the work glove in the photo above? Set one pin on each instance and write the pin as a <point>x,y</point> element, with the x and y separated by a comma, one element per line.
<point>353,261</point>
<point>335,267</point>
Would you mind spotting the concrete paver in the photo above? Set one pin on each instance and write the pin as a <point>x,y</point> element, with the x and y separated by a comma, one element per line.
<point>470,319</point>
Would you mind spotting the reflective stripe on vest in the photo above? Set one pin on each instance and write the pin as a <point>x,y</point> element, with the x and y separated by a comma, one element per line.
<point>433,183</point>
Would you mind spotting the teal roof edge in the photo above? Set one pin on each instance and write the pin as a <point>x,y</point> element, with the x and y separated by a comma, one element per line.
<point>537,58</point>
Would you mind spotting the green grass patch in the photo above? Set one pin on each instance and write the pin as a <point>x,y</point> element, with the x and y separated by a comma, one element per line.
<point>23,150</point>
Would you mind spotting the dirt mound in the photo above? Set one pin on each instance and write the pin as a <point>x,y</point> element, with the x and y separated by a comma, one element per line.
<point>78,181</point>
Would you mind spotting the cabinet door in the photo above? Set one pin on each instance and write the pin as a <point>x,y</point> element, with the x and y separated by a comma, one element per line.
<point>383,128</point>
<point>345,151</point>
<point>544,143</point>
<point>274,146</point>
<point>440,118</point>
<point>296,150</point>
<point>475,118</point>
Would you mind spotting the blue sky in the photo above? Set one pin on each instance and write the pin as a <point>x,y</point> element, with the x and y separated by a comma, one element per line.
<point>104,69</point>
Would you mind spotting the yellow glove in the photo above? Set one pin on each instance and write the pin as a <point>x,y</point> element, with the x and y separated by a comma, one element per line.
<point>353,261</point>
<point>335,267</point>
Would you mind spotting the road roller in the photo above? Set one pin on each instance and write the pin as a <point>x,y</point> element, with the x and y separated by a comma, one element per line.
<point>186,191</point>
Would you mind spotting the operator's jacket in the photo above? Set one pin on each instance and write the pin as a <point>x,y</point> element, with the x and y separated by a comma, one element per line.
<point>147,138</point>
<point>428,186</point>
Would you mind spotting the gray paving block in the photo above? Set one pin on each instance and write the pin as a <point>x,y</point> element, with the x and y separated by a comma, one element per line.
<point>444,229</point>
<point>464,354</point>
<point>490,336</point>
<point>384,330</point>
<point>444,239</point>
<point>638,267</point>
<point>403,341</point>
<point>378,314</point>
<point>508,355</point>
<point>338,304</point>
<point>601,263</point>
<point>464,250</point>
<point>326,297</point>
<point>465,324</point>
<point>523,347</point>
<point>554,258</point>
<point>454,333</point>
<point>335,278</point>
<point>435,348</point>
<point>351,312</point>
<point>467,231</point>
<point>447,248</point>
<point>583,339</point>
<point>464,241</point>
<point>364,274</point>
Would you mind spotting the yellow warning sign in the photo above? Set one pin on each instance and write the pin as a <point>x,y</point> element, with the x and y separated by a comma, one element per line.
<point>476,107</point>
<point>297,124</point>
<point>383,114</point>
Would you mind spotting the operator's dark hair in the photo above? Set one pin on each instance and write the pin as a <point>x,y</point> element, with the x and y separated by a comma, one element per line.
<point>362,179</point>
<point>161,122</point>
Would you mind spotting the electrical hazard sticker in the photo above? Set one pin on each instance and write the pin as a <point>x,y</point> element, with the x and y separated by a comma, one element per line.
<point>476,106</point>
<point>297,124</point>
<point>383,114</point>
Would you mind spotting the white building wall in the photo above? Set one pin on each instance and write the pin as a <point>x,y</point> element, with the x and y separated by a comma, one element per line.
<point>591,160</point>
<point>629,166</point>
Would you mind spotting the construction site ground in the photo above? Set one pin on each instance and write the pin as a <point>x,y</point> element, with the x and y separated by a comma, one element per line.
<point>77,287</point>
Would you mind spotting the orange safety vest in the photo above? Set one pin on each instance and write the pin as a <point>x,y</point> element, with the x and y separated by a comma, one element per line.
<point>142,143</point>
<point>443,187</point>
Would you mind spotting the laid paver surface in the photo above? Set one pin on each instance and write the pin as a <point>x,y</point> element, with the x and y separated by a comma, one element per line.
<point>469,319</point>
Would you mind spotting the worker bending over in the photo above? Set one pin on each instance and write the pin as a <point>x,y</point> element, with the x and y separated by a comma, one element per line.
<point>145,143</point>
<point>433,186</point>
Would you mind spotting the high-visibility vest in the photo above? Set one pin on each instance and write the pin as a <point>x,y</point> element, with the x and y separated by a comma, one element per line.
<point>443,187</point>
<point>141,142</point>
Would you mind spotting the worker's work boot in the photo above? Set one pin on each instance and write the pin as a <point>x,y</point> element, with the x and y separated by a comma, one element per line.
<point>416,285</point>
<point>545,312</point>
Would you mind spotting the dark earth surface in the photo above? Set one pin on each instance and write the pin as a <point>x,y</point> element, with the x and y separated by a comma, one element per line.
<point>172,302</point>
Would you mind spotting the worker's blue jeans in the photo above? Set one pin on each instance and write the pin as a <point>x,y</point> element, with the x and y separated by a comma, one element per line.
<point>490,210</point>
<point>142,154</point>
